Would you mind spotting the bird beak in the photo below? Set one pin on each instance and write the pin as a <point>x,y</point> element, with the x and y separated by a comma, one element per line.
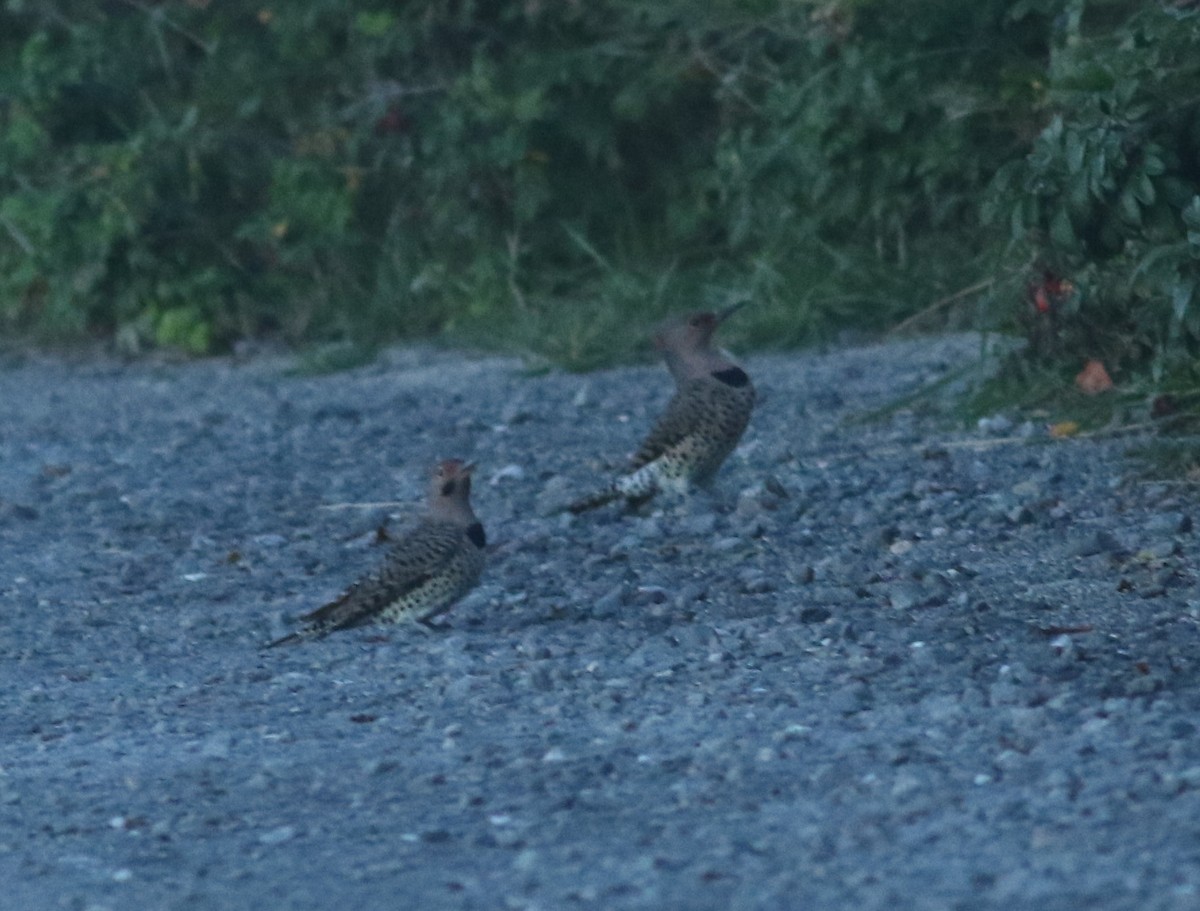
<point>467,469</point>
<point>729,311</point>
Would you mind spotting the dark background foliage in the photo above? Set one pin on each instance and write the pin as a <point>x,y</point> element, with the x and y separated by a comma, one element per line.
<point>551,177</point>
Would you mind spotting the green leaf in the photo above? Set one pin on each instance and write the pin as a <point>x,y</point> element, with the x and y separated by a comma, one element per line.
<point>1181,297</point>
<point>1075,151</point>
<point>184,328</point>
<point>1061,231</point>
<point>1143,189</point>
<point>374,24</point>
<point>1130,210</point>
<point>1191,214</point>
<point>1097,173</point>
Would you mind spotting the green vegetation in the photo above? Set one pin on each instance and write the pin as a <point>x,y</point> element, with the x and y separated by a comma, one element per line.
<point>1107,201</point>
<point>552,177</point>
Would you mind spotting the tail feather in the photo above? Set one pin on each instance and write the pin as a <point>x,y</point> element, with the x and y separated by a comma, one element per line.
<point>634,488</point>
<point>318,624</point>
<point>289,639</point>
<point>306,634</point>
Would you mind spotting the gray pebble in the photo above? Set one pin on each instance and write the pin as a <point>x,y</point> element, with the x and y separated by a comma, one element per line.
<point>879,664</point>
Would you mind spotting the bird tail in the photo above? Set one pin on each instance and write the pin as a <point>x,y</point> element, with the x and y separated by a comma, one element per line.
<point>634,488</point>
<point>344,611</point>
<point>290,639</point>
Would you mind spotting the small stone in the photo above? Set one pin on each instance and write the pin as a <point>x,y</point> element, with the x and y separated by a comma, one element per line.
<point>1102,542</point>
<point>278,835</point>
<point>1028,488</point>
<point>700,525</point>
<point>554,496</point>
<point>749,503</point>
<point>755,582</point>
<point>380,766</point>
<point>526,860</point>
<point>216,747</point>
<point>815,615</point>
<point>904,595</point>
<point>1160,550</point>
<point>1020,515</point>
<point>794,732</point>
<point>647,530</point>
<point>1166,523</point>
<point>995,425</point>
<point>611,600</point>
<point>651,594</point>
<point>510,472</point>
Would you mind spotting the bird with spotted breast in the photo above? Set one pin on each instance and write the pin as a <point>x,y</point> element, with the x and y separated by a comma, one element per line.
<point>426,571</point>
<point>702,423</point>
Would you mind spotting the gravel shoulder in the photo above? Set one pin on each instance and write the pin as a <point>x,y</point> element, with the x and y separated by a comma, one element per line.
<point>885,664</point>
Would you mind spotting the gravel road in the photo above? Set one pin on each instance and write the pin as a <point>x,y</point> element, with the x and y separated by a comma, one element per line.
<point>893,664</point>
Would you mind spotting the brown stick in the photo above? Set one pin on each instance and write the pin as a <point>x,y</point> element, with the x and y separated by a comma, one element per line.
<point>940,304</point>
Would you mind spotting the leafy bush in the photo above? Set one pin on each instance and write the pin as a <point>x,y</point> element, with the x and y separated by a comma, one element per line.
<point>550,176</point>
<point>1107,202</point>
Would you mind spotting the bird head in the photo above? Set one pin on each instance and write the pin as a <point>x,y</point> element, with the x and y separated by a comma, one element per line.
<point>450,488</point>
<point>686,341</point>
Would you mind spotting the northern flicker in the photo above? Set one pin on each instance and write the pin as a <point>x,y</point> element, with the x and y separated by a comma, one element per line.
<point>425,572</point>
<point>702,423</point>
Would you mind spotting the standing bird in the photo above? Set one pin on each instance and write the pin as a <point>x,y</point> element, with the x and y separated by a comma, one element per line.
<point>702,424</point>
<point>426,571</point>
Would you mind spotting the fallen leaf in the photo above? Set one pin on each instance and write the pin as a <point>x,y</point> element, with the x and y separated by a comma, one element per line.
<point>1093,378</point>
<point>1064,429</point>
